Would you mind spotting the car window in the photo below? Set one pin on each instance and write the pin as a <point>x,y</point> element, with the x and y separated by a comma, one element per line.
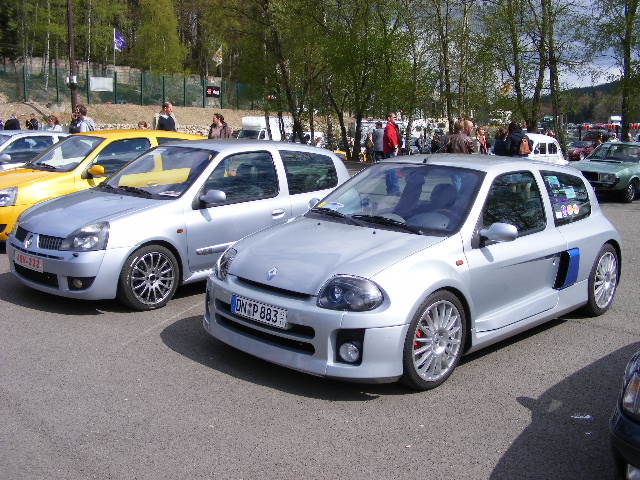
<point>163,171</point>
<point>244,177</point>
<point>553,148</point>
<point>117,154</point>
<point>163,140</point>
<point>542,148</point>
<point>65,155</point>
<point>515,199</point>
<point>569,197</point>
<point>307,172</point>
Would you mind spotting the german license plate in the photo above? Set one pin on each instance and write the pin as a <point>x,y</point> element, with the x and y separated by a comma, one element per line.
<point>28,261</point>
<point>260,312</point>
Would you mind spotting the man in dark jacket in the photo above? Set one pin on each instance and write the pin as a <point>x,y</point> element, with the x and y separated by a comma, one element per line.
<point>514,139</point>
<point>13,123</point>
<point>460,141</point>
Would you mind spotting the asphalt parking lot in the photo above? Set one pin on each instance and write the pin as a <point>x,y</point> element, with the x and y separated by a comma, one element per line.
<point>92,390</point>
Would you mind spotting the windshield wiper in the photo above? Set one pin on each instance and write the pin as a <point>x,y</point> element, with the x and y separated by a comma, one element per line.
<point>377,219</point>
<point>333,213</point>
<point>46,166</point>
<point>136,190</point>
<point>106,186</point>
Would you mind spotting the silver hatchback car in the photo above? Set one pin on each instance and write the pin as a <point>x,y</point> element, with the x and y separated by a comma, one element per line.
<point>163,219</point>
<point>413,262</point>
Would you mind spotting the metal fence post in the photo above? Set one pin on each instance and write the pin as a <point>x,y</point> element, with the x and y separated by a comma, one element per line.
<point>141,88</point>
<point>88,87</point>
<point>164,92</point>
<point>184,91</point>
<point>115,87</point>
<point>204,93</point>
<point>57,86</point>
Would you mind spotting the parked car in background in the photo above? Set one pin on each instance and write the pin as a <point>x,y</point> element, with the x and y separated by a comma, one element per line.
<point>625,424</point>
<point>164,219</point>
<point>413,262</point>
<point>77,162</point>
<point>614,167</point>
<point>593,135</point>
<point>545,149</point>
<point>579,149</point>
<point>18,147</point>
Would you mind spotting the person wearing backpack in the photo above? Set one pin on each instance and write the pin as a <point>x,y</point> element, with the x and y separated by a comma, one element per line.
<point>515,145</point>
<point>86,122</point>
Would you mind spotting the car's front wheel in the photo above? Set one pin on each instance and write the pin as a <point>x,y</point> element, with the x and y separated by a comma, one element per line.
<point>434,342</point>
<point>149,278</point>
<point>603,282</point>
<point>629,193</point>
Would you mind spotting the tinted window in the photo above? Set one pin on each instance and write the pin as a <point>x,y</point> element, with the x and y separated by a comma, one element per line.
<point>244,177</point>
<point>515,199</point>
<point>307,172</point>
<point>68,153</point>
<point>542,148</point>
<point>117,154</point>
<point>569,197</point>
<point>26,148</point>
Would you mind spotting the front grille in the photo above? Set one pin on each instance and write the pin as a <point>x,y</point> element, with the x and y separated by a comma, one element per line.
<point>2,227</point>
<point>269,288</point>
<point>21,234</point>
<point>49,243</point>
<point>43,278</point>
<point>226,318</point>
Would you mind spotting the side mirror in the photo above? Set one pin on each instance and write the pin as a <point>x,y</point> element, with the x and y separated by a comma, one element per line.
<point>96,171</point>
<point>499,232</point>
<point>313,202</point>
<point>5,157</point>
<point>213,197</point>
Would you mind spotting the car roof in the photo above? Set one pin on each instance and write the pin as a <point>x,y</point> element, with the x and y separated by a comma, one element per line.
<point>220,145</point>
<point>486,163</point>
<point>30,133</point>
<point>137,133</point>
<point>539,137</point>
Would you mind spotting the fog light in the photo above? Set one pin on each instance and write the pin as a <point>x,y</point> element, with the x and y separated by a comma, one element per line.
<point>76,282</point>
<point>633,473</point>
<point>350,352</point>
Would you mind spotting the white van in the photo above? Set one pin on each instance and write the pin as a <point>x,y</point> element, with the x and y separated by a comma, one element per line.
<point>255,127</point>
<point>545,149</point>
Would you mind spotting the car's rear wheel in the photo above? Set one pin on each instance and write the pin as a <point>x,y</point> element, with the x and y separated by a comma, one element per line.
<point>149,278</point>
<point>603,282</point>
<point>434,342</point>
<point>629,193</point>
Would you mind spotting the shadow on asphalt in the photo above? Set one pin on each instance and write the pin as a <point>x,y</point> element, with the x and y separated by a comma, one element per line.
<point>569,431</point>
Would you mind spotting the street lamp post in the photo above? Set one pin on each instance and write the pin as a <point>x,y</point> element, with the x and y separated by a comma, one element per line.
<point>72,84</point>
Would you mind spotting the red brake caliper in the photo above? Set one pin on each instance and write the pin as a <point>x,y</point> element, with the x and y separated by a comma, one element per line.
<point>415,344</point>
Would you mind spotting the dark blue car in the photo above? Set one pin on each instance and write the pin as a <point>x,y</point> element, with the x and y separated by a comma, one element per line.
<point>625,423</point>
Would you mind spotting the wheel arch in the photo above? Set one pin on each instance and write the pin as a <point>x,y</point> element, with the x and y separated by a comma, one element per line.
<point>467,312</point>
<point>169,246</point>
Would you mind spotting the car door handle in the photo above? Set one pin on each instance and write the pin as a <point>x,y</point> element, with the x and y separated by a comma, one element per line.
<point>278,213</point>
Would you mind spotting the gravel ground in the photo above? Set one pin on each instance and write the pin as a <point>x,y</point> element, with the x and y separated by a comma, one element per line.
<point>107,116</point>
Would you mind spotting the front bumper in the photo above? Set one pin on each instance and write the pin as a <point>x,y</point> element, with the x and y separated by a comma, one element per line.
<point>625,441</point>
<point>311,343</point>
<point>100,270</point>
<point>8,217</point>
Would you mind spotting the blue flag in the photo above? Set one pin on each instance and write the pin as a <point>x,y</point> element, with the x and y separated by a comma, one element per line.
<point>118,41</point>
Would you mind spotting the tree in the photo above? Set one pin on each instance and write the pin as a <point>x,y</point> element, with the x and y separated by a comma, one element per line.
<point>157,46</point>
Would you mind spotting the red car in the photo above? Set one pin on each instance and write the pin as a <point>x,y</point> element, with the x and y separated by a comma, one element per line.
<point>578,150</point>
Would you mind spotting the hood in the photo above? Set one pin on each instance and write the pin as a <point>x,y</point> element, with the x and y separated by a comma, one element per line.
<point>61,216</point>
<point>307,252</point>
<point>19,176</point>
<point>603,166</point>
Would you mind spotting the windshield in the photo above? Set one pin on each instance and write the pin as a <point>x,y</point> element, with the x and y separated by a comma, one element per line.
<point>616,152</point>
<point>253,134</point>
<point>164,172</point>
<point>426,199</point>
<point>579,144</point>
<point>67,154</point>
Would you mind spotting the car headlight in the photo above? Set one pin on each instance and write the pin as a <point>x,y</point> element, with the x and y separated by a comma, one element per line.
<point>607,177</point>
<point>223,263</point>
<point>8,196</point>
<point>631,396</point>
<point>88,238</point>
<point>344,292</point>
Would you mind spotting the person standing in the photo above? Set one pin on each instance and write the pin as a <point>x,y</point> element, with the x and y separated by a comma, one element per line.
<point>378,138</point>
<point>390,146</point>
<point>480,141</point>
<point>514,140</point>
<point>32,123</point>
<point>460,141</point>
<point>420,143</point>
<point>86,122</point>
<point>165,120</point>
<point>499,146</point>
<point>13,123</point>
<point>219,128</point>
<point>614,137</point>
<point>53,124</point>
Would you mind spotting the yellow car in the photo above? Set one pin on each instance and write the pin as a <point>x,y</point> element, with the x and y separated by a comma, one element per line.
<point>77,162</point>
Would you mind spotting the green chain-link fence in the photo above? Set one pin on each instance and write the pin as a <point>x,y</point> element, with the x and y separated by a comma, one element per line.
<point>22,83</point>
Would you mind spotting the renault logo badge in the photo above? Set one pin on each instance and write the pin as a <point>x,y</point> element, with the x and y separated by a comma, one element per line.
<point>272,273</point>
<point>28,241</point>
